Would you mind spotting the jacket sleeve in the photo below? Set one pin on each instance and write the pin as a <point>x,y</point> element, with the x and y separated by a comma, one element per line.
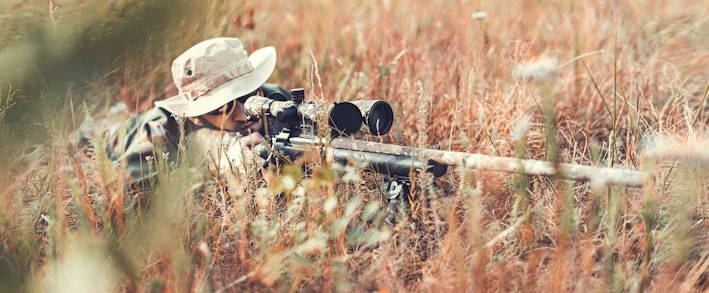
<point>141,143</point>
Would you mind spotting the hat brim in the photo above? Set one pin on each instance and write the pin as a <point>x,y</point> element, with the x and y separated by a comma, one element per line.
<point>263,61</point>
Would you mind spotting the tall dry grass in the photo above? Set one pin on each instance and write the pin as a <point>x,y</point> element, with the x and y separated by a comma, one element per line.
<point>600,83</point>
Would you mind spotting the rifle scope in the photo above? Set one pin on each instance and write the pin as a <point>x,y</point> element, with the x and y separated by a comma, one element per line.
<point>344,118</point>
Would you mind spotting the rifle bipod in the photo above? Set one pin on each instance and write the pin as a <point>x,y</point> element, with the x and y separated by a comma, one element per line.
<point>397,198</point>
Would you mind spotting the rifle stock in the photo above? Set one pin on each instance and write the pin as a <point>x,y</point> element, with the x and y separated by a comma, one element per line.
<point>594,174</point>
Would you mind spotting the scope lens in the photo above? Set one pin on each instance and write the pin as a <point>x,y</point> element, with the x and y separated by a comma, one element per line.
<point>380,118</point>
<point>345,119</point>
<point>377,114</point>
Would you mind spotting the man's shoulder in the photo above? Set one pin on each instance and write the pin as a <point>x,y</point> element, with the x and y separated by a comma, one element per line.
<point>154,114</point>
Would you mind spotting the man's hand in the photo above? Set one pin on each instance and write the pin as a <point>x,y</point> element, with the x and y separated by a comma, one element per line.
<point>230,155</point>
<point>252,140</point>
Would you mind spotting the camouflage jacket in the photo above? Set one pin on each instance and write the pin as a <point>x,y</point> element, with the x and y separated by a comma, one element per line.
<point>146,138</point>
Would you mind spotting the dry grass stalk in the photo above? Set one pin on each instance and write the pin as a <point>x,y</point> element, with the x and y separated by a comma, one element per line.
<point>458,80</point>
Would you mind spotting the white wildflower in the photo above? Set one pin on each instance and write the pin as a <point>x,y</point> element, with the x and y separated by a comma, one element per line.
<point>520,128</point>
<point>543,69</point>
<point>479,15</point>
<point>288,183</point>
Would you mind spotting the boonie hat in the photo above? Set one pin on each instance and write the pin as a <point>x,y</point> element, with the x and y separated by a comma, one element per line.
<point>214,72</point>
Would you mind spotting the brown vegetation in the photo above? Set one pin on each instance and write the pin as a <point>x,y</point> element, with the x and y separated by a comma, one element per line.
<point>588,82</point>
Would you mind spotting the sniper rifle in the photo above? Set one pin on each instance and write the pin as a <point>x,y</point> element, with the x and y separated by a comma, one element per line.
<point>292,130</point>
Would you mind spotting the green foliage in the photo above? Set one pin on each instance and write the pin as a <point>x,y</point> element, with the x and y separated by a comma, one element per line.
<point>78,46</point>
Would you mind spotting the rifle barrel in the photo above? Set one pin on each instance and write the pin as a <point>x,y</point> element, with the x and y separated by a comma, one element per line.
<point>594,174</point>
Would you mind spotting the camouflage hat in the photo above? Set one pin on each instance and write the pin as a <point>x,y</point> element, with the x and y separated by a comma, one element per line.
<point>214,72</point>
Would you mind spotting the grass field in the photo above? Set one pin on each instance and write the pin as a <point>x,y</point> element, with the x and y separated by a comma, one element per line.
<point>618,84</point>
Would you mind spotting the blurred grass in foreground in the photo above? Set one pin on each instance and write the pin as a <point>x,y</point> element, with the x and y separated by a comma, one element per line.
<point>54,59</point>
<point>567,81</point>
